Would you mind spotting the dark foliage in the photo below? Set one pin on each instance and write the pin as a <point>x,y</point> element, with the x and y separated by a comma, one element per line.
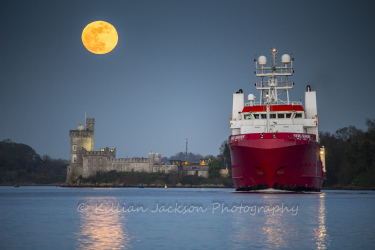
<point>214,168</point>
<point>19,163</point>
<point>181,156</point>
<point>350,154</point>
<point>225,157</point>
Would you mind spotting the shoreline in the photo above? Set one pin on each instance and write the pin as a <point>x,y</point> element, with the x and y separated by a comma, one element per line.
<point>112,185</point>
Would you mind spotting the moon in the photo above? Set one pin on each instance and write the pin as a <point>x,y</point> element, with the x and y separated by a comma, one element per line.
<point>99,37</point>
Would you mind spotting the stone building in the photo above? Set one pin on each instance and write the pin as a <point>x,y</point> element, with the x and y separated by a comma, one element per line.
<point>85,162</point>
<point>199,170</point>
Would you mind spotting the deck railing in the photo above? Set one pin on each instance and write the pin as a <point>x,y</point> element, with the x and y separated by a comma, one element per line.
<point>274,103</point>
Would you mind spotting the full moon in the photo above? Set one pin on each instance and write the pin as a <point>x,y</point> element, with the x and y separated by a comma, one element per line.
<point>99,37</point>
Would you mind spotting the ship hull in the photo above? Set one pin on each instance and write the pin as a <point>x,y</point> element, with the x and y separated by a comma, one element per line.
<point>285,161</point>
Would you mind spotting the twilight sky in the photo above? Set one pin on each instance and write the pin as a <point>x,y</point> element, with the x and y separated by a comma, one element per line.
<point>175,68</point>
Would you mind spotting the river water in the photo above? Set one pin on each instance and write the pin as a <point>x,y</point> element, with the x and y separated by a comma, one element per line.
<point>179,218</point>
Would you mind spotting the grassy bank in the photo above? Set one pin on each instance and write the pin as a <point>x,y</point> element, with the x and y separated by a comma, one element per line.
<point>135,179</point>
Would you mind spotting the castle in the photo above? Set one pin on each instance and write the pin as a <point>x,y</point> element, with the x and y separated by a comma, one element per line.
<point>85,162</point>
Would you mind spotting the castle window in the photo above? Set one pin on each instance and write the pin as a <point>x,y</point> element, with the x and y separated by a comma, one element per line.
<point>74,158</point>
<point>68,170</point>
<point>74,147</point>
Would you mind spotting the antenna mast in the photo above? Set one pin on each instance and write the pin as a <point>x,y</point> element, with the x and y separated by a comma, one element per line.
<point>186,153</point>
<point>271,85</point>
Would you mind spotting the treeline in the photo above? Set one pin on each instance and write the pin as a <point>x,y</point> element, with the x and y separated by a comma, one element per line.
<point>350,156</point>
<point>135,179</point>
<point>20,164</point>
<point>191,157</point>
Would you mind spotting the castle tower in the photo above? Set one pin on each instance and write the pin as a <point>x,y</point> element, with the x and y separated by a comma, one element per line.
<point>81,140</point>
<point>90,124</point>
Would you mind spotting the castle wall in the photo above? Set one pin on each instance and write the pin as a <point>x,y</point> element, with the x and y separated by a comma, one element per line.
<point>164,169</point>
<point>105,161</point>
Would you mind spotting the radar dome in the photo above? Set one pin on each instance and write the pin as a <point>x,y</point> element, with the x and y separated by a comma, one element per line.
<point>80,127</point>
<point>262,60</point>
<point>251,97</point>
<point>285,59</point>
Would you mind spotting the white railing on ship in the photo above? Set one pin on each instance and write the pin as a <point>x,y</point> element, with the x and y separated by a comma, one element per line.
<point>282,84</point>
<point>274,70</point>
<point>274,103</point>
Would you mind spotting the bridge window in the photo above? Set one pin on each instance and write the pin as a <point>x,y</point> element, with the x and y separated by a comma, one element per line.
<point>247,117</point>
<point>280,116</point>
<point>264,116</point>
<point>273,116</point>
<point>256,116</point>
<point>288,115</point>
<point>299,115</point>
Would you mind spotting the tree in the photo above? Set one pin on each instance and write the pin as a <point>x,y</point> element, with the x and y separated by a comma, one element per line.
<point>225,152</point>
<point>214,168</point>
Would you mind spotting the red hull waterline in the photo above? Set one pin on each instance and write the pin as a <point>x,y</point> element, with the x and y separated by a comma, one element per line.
<point>285,161</point>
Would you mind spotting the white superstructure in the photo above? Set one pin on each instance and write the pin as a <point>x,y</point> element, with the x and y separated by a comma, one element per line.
<point>272,114</point>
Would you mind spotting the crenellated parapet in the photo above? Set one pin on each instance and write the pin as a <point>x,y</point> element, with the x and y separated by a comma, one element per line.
<point>130,160</point>
<point>107,152</point>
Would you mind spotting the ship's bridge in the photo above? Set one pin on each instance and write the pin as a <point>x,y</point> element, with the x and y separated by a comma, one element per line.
<point>281,118</point>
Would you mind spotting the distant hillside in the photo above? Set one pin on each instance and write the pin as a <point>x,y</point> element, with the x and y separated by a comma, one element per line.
<point>20,164</point>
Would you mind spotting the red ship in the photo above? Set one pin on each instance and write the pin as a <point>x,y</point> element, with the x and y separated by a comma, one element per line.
<point>274,142</point>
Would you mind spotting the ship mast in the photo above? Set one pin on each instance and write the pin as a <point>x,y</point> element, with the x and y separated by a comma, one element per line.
<point>269,87</point>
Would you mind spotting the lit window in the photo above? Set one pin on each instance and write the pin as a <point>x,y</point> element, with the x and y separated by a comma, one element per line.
<point>280,116</point>
<point>247,117</point>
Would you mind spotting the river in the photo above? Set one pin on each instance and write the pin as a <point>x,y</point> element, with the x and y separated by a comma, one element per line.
<point>184,218</point>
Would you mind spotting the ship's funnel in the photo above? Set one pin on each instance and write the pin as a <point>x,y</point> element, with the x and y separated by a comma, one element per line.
<point>238,104</point>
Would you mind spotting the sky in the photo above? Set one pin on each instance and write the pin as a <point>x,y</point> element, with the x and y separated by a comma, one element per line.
<point>174,70</point>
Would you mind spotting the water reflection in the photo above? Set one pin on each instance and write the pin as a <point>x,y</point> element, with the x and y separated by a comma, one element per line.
<point>321,231</point>
<point>275,227</point>
<point>283,229</point>
<point>102,228</point>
